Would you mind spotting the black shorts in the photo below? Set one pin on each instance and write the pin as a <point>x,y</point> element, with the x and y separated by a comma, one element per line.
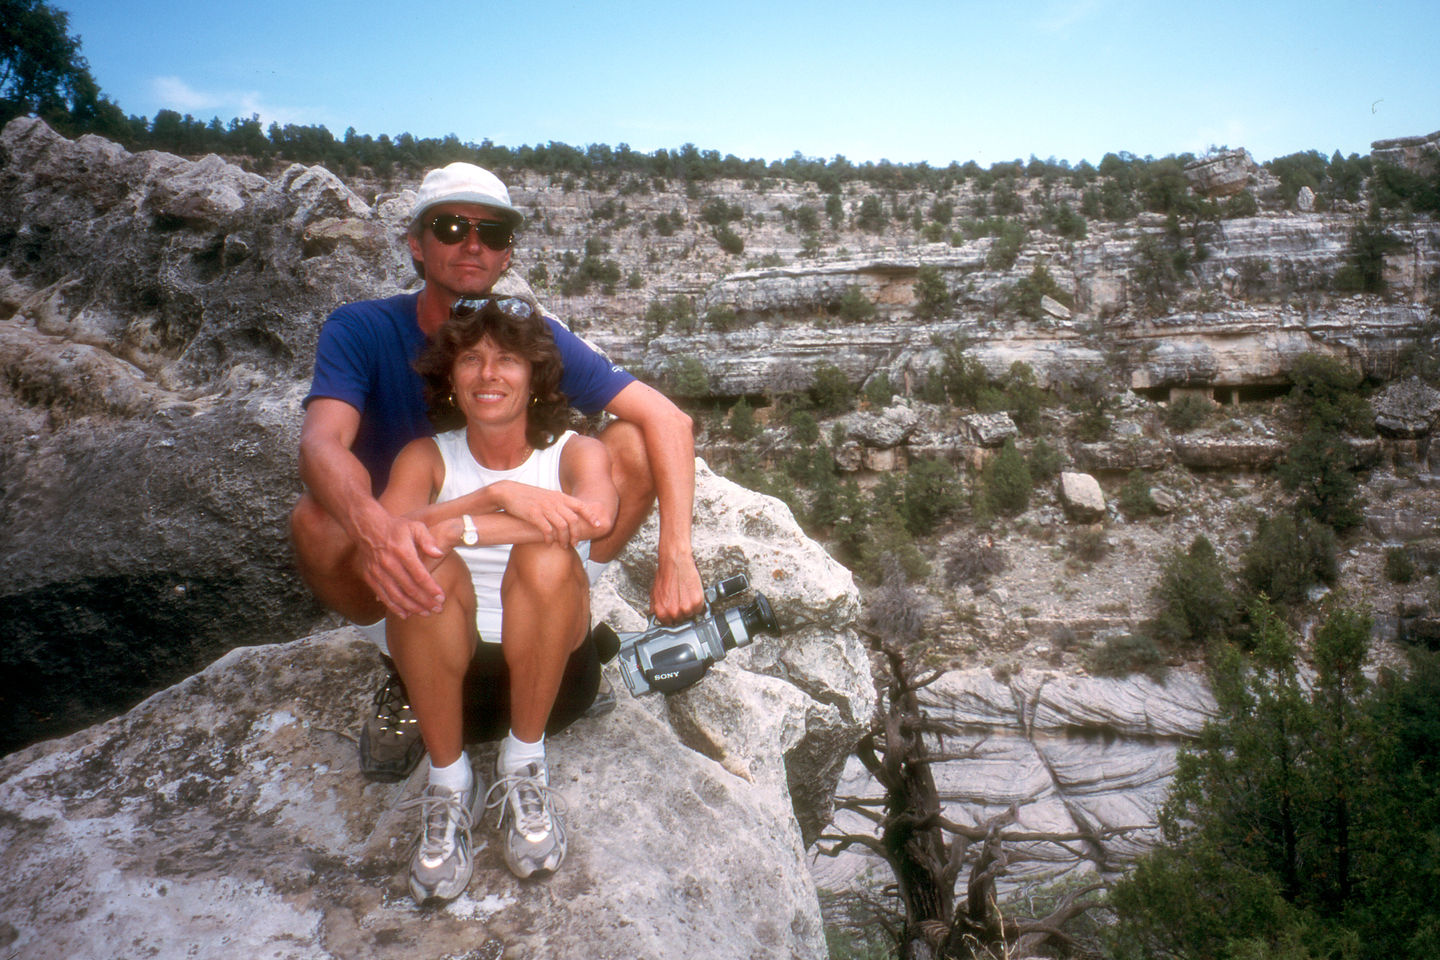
<point>487,692</point>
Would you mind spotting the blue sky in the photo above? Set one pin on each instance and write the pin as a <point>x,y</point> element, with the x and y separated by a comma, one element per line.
<point>904,80</point>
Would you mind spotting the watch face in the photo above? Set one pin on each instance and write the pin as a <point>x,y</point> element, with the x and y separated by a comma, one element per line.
<point>469,536</point>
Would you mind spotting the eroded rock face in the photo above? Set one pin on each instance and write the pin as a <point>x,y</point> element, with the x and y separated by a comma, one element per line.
<point>1222,175</point>
<point>159,323</point>
<point>225,817</point>
<point>1076,754</point>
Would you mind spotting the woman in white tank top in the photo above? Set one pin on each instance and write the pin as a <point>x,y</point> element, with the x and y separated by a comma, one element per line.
<point>511,500</point>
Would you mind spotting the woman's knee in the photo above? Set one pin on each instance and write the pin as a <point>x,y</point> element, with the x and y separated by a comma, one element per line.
<point>543,564</point>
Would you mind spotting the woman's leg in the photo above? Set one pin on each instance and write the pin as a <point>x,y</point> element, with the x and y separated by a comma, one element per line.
<point>546,598</point>
<point>432,654</point>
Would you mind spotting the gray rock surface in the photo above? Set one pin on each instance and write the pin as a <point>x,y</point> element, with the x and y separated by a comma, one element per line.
<point>225,816</point>
<point>1082,497</point>
<point>1223,174</point>
<point>1407,409</point>
<point>1076,754</point>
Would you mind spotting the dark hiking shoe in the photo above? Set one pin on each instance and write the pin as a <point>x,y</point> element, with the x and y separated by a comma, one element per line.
<point>390,744</point>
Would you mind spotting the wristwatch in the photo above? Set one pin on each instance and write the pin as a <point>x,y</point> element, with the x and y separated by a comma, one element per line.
<point>469,536</point>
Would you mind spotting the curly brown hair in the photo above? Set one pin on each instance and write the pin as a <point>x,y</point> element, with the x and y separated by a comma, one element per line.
<point>516,324</point>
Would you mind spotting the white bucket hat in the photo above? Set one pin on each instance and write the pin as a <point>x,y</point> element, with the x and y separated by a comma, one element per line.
<point>464,183</point>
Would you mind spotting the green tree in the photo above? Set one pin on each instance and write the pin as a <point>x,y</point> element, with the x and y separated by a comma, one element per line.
<point>831,390</point>
<point>932,295</point>
<point>41,69</point>
<point>1197,606</point>
<point>1007,480</point>
<point>871,217</point>
<point>1287,556</point>
<point>931,494</point>
<point>1304,823</point>
<point>742,420</point>
<point>854,306</point>
<point>1321,467</point>
<point>730,241</point>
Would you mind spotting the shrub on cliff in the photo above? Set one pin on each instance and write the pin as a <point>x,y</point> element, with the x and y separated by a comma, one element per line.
<point>931,494</point>
<point>932,295</point>
<point>742,420</point>
<point>1288,555</point>
<point>1007,481</point>
<point>1364,268</point>
<point>854,306</point>
<point>1196,604</point>
<point>831,391</point>
<point>1186,413</point>
<point>730,241</point>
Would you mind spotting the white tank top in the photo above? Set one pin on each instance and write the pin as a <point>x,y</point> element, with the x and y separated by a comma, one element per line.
<point>463,474</point>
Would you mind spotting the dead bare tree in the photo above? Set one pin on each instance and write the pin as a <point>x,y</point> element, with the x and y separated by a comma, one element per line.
<point>925,850</point>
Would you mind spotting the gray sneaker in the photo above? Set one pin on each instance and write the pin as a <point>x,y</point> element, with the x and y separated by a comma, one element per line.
<point>530,818</point>
<point>442,864</point>
<point>390,743</point>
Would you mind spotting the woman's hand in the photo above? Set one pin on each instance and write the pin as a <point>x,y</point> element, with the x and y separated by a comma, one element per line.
<point>560,518</point>
<point>447,533</point>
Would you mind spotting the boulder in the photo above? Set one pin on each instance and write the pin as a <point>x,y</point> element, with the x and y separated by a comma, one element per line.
<point>1082,497</point>
<point>1221,174</point>
<point>888,428</point>
<point>1211,452</point>
<point>1305,200</point>
<point>225,817</point>
<point>988,429</point>
<point>1407,409</point>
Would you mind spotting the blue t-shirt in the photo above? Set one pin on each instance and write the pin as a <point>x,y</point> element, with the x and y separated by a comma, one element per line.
<point>366,357</point>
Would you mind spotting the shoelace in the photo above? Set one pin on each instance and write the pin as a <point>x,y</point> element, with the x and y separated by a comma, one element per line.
<point>391,705</point>
<point>534,799</point>
<point>444,814</point>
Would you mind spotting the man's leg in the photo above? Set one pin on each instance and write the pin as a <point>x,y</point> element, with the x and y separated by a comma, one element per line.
<point>325,558</point>
<point>630,469</point>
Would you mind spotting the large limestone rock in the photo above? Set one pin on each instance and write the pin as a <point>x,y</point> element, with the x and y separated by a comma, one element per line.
<point>1081,494</point>
<point>1419,154</point>
<point>1222,174</point>
<point>1407,409</point>
<point>1075,754</point>
<point>225,816</point>
<point>158,319</point>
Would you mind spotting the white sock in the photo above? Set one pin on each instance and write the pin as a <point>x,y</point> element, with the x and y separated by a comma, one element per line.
<point>515,753</point>
<point>455,777</point>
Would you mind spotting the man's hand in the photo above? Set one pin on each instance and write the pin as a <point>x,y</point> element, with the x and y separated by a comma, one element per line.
<point>561,518</point>
<point>389,556</point>
<point>677,593</point>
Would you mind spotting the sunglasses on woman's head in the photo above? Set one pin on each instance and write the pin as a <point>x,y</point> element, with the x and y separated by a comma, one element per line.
<point>451,228</point>
<point>514,306</point>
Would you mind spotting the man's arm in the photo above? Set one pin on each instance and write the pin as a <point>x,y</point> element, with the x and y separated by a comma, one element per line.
<point>388,548</point>
<point>670,450</point>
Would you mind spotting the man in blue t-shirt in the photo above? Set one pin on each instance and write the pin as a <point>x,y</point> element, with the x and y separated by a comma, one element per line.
<point>366,402</point>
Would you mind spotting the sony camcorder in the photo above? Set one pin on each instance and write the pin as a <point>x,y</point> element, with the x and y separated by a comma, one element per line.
<point>671,658</point>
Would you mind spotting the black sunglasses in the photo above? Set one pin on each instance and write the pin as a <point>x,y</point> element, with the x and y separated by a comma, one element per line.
<point>514,306</point>
<point>451,228</point>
